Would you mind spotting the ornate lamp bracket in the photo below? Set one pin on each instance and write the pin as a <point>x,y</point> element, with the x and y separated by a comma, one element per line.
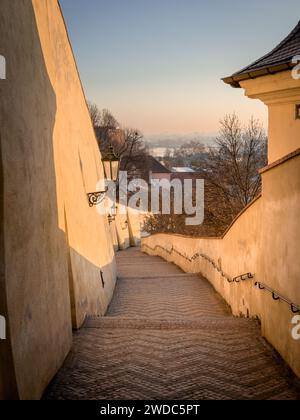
<point>96,198</point>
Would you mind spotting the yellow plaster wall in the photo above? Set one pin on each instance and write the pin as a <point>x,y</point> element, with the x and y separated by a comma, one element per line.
<point>264,240</point>
<point>53,244</point>
<point>281,93</point>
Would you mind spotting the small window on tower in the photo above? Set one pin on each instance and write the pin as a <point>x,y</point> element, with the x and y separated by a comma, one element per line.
<point>298,112</point>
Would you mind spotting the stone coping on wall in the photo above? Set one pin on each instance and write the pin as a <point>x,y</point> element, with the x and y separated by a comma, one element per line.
<point>280,161</point>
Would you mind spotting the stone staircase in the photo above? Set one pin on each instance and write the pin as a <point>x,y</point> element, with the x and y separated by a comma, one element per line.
<point>169,335</point>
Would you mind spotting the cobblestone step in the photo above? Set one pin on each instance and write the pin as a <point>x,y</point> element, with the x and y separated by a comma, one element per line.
<point>210,324</point>
<point>166,276</point>
<point>169,336</point>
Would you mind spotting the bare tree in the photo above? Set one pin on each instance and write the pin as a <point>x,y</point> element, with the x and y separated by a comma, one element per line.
<point>107,130</point>
<point>108,120</point>
<point>127,143</point>
<point>95,114</point>
<point>232,167</point>
<point>168,159</point>
<point>133,148</point>
<point>231,172</point>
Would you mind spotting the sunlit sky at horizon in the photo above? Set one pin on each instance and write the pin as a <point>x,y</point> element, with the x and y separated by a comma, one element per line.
<point>157,64</point>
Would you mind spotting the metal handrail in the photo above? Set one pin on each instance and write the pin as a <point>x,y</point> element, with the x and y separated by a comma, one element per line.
<point>205,257</point>
<point>243,277</point>
<point>276,296</point>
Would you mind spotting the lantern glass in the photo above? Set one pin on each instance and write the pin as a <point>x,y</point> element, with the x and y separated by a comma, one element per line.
<point>115,170</point>
<point>111,166</point>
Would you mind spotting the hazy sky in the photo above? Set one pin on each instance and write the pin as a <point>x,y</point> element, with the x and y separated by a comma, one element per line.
<point>157,64</point>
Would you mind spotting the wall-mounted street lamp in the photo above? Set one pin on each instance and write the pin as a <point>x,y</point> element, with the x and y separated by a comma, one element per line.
<point>125,225</point>
<point>111,218</point>
<point>111,165</point>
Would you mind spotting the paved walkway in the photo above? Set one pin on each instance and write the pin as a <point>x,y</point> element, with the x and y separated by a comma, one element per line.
<point>169,335</point>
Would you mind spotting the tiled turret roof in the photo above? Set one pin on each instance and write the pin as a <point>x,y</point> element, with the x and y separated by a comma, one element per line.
<point>279,59</point>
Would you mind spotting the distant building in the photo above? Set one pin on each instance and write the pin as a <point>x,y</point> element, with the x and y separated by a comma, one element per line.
<point>183,169</point>
<point>106,135</point>
<point>157,170</point>
<point>148,168</point>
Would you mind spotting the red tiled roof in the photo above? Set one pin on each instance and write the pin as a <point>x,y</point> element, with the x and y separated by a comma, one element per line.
<point>156,167</point>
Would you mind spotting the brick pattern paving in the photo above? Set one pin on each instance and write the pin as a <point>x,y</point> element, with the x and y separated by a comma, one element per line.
<point>168,335</point>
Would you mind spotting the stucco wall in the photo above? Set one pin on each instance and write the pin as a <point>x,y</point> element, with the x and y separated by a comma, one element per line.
<point>264,240</point>
<point>280,92</point>
<point>113,234</point>
<point>78,169</point>
<point>125,230</point>
<point>53,244</point>
<point>134,227</point>
<point>280,262</point>
<point>121,224</point>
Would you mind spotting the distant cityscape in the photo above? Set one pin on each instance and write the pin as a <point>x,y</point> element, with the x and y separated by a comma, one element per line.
<point>159,144</point>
